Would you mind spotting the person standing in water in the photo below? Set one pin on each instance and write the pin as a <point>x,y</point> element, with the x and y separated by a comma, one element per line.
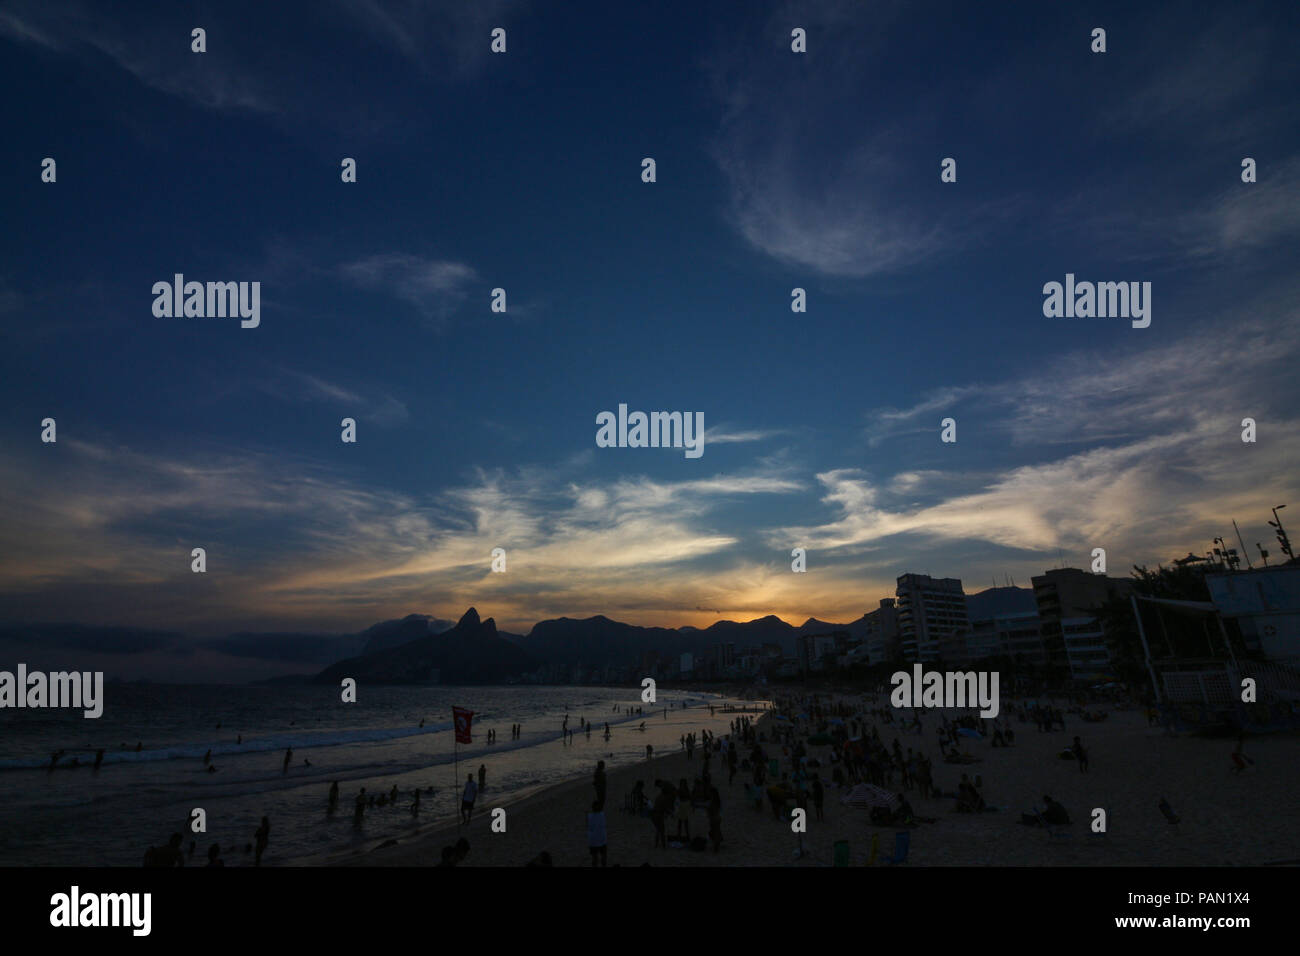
<point>334,796</point>
<point>288,755</point>
<point>482,776</point>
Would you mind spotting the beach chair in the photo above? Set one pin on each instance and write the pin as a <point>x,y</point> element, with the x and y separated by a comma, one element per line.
<point>902,842</point>
<point>840,853</point>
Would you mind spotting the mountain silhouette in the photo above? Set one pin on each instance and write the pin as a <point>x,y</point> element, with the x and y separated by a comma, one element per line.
<point>472,652</point>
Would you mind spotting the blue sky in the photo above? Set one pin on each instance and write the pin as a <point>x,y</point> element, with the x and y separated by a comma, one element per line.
<point>522,171</point>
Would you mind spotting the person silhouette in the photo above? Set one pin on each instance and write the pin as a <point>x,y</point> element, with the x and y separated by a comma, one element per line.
<point>262,836</point>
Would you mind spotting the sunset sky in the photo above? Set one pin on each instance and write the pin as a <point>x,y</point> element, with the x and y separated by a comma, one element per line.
<point>522,170</point>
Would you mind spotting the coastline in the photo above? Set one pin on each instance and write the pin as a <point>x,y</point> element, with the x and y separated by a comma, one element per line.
<point>1226,819</point>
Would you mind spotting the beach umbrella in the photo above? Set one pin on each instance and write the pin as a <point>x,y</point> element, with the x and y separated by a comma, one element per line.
<point>967,732</point>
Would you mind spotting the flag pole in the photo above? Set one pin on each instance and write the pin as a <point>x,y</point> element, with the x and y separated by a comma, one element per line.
<point>455,773</point>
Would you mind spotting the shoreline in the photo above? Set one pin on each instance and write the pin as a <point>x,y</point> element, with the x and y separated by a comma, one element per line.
<point>434,834</point>
<point>1227,819</point>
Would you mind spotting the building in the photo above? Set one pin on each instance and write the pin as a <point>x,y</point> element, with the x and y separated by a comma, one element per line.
<point>881,637</point>
<point>1067,598</point>
<point>1014,635</point>
<point>929,610</point>
<point>816,649</point>
<point>1265,603</point>
<point>1086,648</point>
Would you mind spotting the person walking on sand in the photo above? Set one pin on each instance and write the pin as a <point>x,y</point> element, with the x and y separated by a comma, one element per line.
<point>715,818</point>
<point>482,776</point>
<point>684,810</point>
<point>596,840</point>
<point>598,781</point>
<point>360,810</point>
<point>334,796</point>
<point>467,799</point>
<point>262,836</point>
<point>288,755</point>
<point>660,809</point>
<point>1080,755</point>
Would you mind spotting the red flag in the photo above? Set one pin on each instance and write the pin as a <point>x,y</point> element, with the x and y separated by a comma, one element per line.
<point>463,718</point>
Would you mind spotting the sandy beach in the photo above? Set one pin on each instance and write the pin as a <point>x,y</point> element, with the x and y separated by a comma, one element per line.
<point>1227,819</point>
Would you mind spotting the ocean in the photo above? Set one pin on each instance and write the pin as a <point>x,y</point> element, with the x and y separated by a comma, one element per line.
<point>73,815</point>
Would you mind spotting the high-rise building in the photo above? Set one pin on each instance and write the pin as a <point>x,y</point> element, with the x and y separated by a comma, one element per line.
<point>1017,635</point>
<point>816,649</point>
<point>930,610</point>
<point>724,656</point>
<point>881,637</point>
<point>1071,635</point>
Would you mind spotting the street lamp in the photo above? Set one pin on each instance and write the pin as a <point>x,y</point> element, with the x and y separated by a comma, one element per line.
<point>1282,539</point>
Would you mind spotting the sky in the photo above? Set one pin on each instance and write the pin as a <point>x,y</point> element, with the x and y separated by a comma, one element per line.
<point>522,170</point>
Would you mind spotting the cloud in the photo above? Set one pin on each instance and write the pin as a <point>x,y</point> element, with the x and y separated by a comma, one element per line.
<point>441,34</point>
<point>151,44</point>
<point>436,288</point>
<point>1159,465</point>
<point>724,435</point>
<point>1206,85</point>
<point>804,186</point>
<point>291,385</point>
<point>291,541</point>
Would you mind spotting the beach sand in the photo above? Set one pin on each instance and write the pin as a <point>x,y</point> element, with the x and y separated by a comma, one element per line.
<point>1227,819</point>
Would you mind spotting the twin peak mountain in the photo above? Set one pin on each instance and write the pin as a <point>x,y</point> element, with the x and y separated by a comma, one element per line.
<point>419,649</point>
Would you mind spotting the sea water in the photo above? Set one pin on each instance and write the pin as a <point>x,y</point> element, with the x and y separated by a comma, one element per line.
<point>72,815</point>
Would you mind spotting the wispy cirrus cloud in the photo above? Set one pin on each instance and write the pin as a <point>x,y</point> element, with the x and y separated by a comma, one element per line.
<point>384,409</point>
<point>1240,360</point>
<point>436,288</point>
<point>803,186</point>
<point>151,44</point>
<point>1157,462</point>
<point>725,434</point>
<point>434,34</point>
<point>294,542</point>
